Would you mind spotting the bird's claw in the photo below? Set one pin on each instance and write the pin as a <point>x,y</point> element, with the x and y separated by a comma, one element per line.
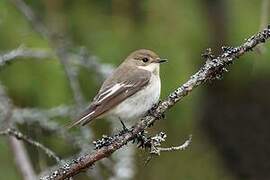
<point>125,129</point>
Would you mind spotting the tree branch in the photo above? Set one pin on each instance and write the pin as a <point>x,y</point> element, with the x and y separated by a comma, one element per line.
<point>91,62</point>
<point>19,136</point>
<point>213,69</point>
<point>154,144</point>
<point>23,52</point>
<point>37,25</point>
<point>22,159</point>
<point>157,150</point>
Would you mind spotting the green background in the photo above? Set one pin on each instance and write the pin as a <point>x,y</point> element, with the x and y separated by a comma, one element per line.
<point>179,30</point>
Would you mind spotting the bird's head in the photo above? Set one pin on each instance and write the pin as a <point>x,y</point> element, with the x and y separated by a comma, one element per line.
<point>145,59</point>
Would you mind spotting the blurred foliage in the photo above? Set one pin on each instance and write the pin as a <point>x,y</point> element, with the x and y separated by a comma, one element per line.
<point>177,29</point>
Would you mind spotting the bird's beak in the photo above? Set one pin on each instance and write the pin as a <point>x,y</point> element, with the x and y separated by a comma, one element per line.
<point>161,60</point>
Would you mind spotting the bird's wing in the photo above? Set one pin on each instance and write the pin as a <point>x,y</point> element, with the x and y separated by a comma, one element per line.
<point>113,93</point>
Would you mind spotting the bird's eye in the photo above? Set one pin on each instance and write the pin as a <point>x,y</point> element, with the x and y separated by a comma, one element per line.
<point>145,59</point>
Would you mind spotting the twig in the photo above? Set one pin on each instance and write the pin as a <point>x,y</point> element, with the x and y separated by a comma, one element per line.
<point>176,148</point>
<point>31,17</point>
<point>92,63</point>
<point>80,59</point>
<point>5,107</point>
<point>72,75</point>
<point>211,70</point>
<point>22,159</point>
<point>23,52</point>
<point>44,118</point>
<point>18,135</point>
<point>154,144</point>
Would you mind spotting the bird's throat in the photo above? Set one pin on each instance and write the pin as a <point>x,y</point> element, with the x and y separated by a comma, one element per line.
<point>153,68</point>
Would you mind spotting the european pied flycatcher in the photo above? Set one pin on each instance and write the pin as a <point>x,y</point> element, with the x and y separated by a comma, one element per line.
<point>132,89</point>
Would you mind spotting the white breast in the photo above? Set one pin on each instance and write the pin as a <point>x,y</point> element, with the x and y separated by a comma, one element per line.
<point>138,104</point>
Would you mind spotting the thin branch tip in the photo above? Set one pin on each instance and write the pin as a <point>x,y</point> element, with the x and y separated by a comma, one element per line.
<point>20,136</point>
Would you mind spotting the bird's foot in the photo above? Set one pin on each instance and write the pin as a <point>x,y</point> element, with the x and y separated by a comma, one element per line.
<point>124,127</point>
<point>108,140</point>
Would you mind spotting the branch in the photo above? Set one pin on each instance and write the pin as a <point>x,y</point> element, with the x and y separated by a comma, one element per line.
<point>154,143</point>
<point>92,63</point>
<point>22,159</point>
<point>80,59</point>
<point>19,136</point>
<point>211,70</point>
<point>31,17</point>
<point>157,150</point>
<point>44,118</point>
<point>23,52</point>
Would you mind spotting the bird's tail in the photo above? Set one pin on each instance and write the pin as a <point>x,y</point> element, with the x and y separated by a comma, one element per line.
<point>87,116</point>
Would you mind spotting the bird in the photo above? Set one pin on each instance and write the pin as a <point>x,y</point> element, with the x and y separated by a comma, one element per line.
<point>129,92</point>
